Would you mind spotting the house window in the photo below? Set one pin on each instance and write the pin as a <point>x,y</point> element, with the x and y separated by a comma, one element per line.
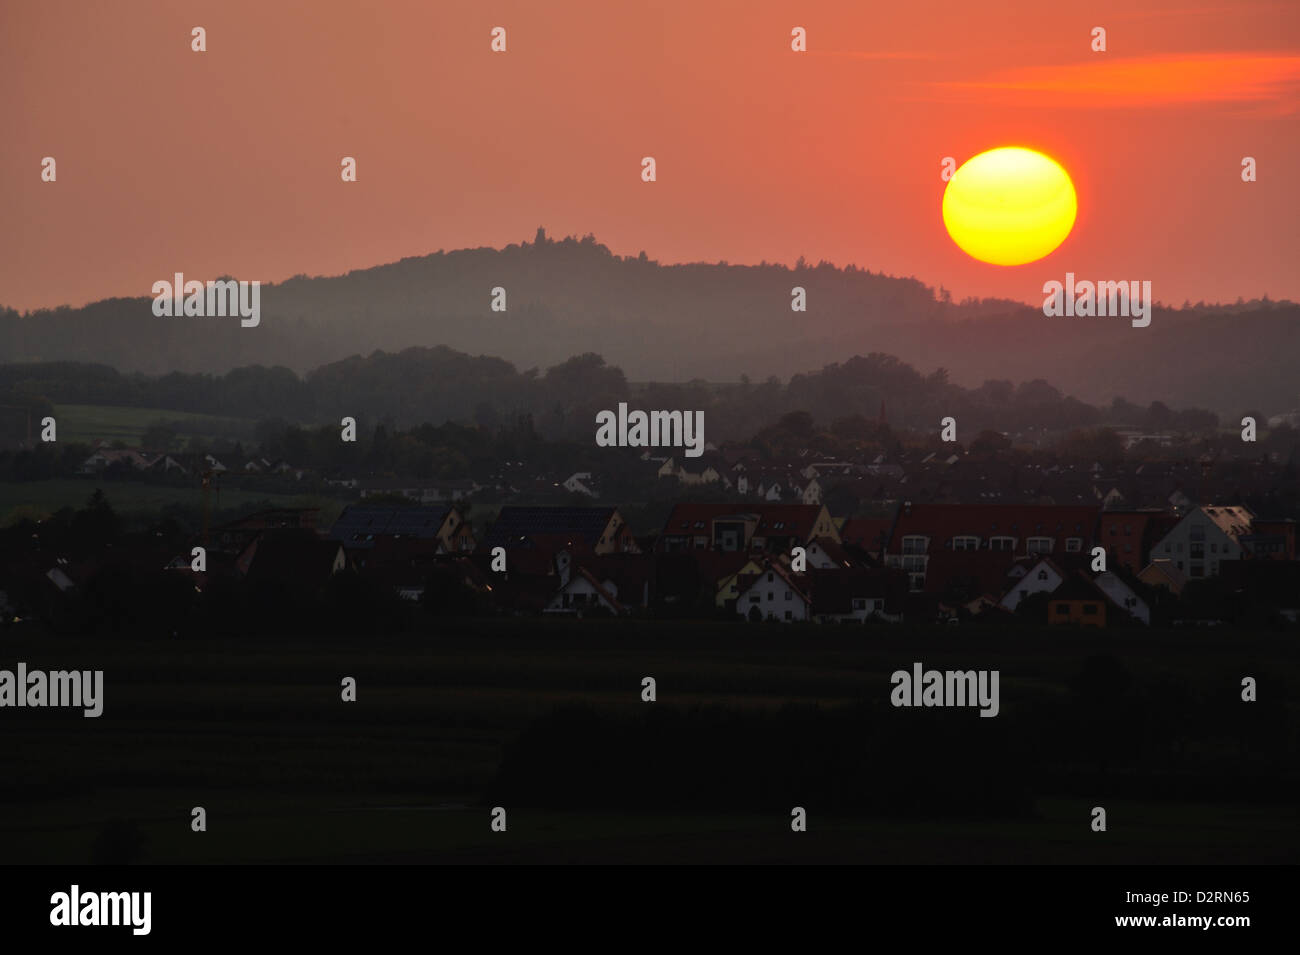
<point>1128,530</point>
<point>1198,532</point>
<point>788,595</point>
<point>859,603</point>
<point>1038,545</point>
<point>1063,609</point>
<point>755,598</point>
<point>965,543</point>
<point>1166,548</point>
<point>770,595</point>
<point>1090,609</point>
<point>914,564</point>
<point>769,578</point>
<point>916,582</point>
<point>915,544</point>
<point>1073,545</point>
<point>1198,570</point>
<point>1042,575</point>
<point>1128,548</point>
<point>1214,548</point>
<point>789,615</point>
<point>1002,543</point>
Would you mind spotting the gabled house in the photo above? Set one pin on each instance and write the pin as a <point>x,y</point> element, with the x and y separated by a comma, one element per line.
<point>729,585</point>
<point>1077,601</point>
<point>580,591</point>
<point>619,583</point>
<point>1162,572</point>
<point>772,594</point>
<point>1122,595</point>
<point>826,554</point>
<point>1040,576</point>
<point>1204,538</point>
<point>581,482</point>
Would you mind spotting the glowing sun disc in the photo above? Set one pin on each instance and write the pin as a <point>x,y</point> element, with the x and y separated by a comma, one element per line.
<point>1009,206</point>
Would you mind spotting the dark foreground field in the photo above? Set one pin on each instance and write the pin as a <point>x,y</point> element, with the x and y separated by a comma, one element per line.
<point>545,718</point>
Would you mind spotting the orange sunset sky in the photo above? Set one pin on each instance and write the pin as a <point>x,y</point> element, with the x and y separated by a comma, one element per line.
<point>227,162</point>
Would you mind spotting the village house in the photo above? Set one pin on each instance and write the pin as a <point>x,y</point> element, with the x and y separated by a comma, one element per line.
<point>1205,537</point>
<point>617,583</point>
<point>1123,596</point>
<point>1161,573</point>
<point>1077,601</point>
<point>772,594</point>
<point>1029,577</point>
<point>922,531</point>
<point>581,482</point>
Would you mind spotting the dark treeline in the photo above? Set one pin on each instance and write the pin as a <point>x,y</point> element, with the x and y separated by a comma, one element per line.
<point>438,384</point>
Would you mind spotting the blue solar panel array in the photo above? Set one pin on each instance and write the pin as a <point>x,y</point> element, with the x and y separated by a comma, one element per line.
<point>359,526</point>
<point>513,523</point>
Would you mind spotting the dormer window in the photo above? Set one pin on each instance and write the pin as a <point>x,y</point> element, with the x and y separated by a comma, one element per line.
<point>915,544</point>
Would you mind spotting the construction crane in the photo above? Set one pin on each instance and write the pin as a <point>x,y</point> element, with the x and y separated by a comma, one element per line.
<point>209,481</point>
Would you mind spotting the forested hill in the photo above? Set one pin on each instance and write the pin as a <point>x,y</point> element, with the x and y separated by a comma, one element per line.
<point>678,322</point>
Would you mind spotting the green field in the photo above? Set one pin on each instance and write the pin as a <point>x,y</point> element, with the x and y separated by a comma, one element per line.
<point>38,499</point>
<point>255,732</point>
<point>91,423</point>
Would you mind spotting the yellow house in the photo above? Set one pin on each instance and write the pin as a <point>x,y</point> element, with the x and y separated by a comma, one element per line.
<point>1077,601</point>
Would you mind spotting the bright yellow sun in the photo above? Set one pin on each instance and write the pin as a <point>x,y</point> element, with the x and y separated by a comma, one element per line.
<point>1009,206</point>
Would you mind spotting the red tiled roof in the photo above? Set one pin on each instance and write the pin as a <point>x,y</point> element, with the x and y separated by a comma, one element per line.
<point>798,519</point>
<point>686,514</point>
<point>869,533</point>
<point>942,522</point>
